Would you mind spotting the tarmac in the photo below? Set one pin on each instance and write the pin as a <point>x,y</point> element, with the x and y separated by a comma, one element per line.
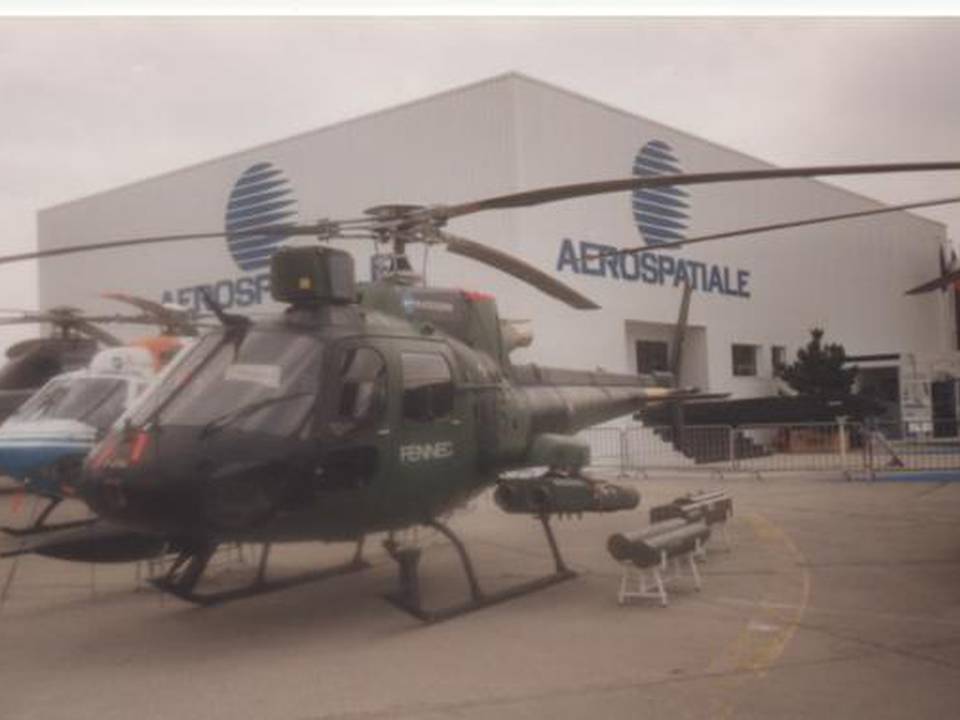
<point>836,598</point>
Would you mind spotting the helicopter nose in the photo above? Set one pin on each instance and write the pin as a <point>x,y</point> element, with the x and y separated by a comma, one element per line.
<point>123,481</point>
<point>190,489</point>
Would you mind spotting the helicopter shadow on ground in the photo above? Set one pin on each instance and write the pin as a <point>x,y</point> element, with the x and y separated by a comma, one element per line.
<point>342,611</point>
<point>123,622</point>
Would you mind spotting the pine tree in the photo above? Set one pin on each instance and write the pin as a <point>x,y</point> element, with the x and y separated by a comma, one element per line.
<point>819,370</point>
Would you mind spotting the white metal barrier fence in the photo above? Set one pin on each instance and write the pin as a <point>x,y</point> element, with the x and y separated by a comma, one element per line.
<point>840,447</point>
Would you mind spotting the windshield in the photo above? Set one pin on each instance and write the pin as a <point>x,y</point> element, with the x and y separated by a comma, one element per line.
<point>264,380</point>
<point>96,401</point>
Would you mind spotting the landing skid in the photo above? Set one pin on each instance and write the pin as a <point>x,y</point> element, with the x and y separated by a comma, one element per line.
<point>408,596</point>
<point>40,525</point>
<point>36,529</point>
<point>182,577</point>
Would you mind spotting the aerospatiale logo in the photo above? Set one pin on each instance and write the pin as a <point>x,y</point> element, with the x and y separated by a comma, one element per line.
<point>661,215</point>
<point>261,197</point>
<point>661,212</point>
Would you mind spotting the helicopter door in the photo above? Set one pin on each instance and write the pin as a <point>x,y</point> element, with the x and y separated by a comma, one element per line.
<point>358,439</point>
<point>433,446</point>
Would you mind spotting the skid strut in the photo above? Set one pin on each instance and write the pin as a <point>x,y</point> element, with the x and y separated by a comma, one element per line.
<point>40,526</point>
<point>182,577</point>
<point>408,595</point>
<point>45,513</point>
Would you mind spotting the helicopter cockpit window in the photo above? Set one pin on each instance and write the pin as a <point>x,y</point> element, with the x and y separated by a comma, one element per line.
<point>427,386</point>
<point>265,380</point>
<point>95,401</point>
<point>363,388</point>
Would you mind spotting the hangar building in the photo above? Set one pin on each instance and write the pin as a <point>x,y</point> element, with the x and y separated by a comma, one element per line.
<point>755,298</point>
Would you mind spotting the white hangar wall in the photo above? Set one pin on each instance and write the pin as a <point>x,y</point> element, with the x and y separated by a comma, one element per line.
<point>513,133</point>
<point>847,277</point>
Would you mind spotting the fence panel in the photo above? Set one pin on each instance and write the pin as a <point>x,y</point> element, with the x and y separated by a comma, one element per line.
<point>652,448</point>
<point>912,445</point>
<point>606,446</point>
<point>797,447</point>
<point>810,447</point>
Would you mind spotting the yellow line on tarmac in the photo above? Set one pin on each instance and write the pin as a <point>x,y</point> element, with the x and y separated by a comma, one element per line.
<point>771,628</point>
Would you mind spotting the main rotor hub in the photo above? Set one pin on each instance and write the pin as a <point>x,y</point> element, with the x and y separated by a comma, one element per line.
<point>394,211</point>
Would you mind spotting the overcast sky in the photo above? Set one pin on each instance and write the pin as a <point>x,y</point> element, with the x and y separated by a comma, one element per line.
<point>89,104</point>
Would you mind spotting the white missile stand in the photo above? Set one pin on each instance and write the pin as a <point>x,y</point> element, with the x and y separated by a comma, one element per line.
<point>649,583</point>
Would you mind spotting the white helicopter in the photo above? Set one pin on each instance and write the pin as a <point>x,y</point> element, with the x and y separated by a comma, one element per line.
<point>43,444</point>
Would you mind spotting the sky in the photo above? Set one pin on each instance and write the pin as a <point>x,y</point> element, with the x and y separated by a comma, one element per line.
<point>92,103</point>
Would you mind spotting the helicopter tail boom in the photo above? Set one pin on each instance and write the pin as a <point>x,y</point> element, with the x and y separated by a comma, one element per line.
<point>568,408</point>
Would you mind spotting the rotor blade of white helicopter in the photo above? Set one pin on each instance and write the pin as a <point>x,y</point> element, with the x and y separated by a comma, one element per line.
<point>99,334</point>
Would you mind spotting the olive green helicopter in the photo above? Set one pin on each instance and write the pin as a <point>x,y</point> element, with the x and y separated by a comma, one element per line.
<point>367,408</point>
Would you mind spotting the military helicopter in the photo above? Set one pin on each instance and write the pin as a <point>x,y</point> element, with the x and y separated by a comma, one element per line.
<point>362,409</point>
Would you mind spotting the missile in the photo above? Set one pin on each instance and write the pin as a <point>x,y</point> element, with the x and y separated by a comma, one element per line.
<point>669,538</point>
<point>555,494</point>
<point>713,506</point>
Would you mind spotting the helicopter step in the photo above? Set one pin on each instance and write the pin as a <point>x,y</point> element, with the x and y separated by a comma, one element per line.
<point>408,595</point>
<point>186,571</point>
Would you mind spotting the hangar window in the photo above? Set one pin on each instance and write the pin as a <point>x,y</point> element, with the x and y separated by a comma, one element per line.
<point>427,386</point>
<point>744,360</point>
<point>651,356</point>
<point>778,358</point>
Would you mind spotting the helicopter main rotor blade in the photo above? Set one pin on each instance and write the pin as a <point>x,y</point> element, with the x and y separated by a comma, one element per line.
<point>773,226</point>
<point>72,320</point>
<point>567,192</point>
<point>322,230</point>
<point>940,283</point>
<point>518,269</point>
<point>410,218</point>
<point>151,307</point>
<point>99,334</point>
<point>131,242</point>
<point>171,319</point>
<point>108,245</point>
